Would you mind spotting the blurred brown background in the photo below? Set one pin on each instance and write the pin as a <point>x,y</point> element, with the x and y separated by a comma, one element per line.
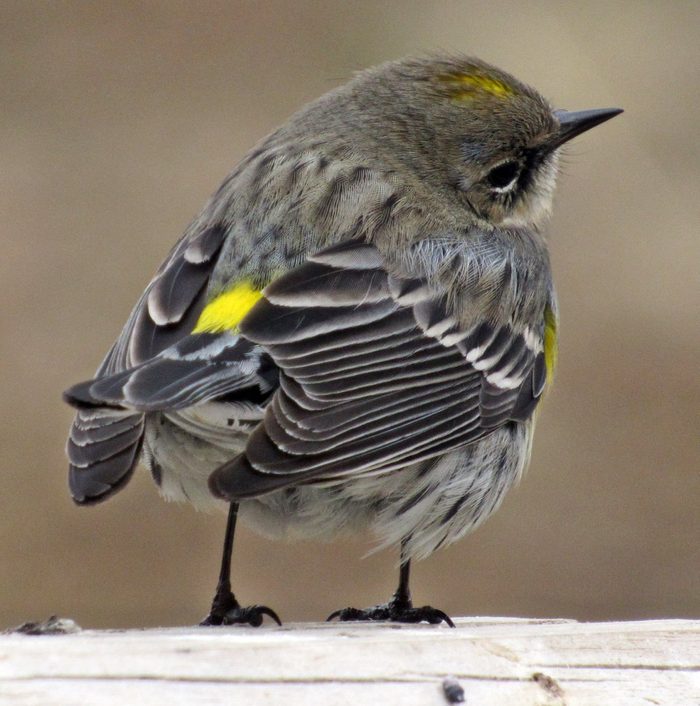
<point>116,122</point>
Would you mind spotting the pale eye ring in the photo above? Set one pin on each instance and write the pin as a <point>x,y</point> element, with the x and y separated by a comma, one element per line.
<point>503,176</point>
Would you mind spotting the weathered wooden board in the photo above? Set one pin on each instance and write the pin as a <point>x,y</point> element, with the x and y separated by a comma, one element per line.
<point>497,662</point>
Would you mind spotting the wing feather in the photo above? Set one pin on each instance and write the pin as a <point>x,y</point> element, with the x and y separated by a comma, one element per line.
<point>337,418</point>
<point>336,344</point>
<point>376,373</point>
<point>199,368</point>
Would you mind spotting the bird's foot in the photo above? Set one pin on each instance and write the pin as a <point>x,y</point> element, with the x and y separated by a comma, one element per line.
<point>241,615</point>
<point>395,611</point>
<point>226,610</point>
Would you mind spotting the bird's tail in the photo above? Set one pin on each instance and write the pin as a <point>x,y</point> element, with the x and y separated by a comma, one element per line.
<point>103,449</point>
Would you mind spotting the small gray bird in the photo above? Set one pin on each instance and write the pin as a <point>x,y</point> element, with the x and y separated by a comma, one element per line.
<point>357,328</point>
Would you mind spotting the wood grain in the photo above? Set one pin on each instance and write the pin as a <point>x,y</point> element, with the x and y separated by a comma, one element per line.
<point>497,661</point>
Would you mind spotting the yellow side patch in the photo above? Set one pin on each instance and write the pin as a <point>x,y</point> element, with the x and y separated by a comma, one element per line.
<point>550,343</point>
<point>466,85</point>
<point>225,312</point>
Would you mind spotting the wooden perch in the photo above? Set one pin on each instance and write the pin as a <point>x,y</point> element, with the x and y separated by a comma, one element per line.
<point>495,662</point>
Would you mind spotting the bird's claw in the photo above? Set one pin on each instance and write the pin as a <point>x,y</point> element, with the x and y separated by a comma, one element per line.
<point>393,612</point>
<point>226,610</point>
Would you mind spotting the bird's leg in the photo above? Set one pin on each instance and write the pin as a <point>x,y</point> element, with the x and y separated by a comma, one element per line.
<point>225,609</point>
<point>400,608</point>
<point>402,596</point>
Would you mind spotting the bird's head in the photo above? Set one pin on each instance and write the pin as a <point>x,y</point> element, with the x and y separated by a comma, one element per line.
<point>468,127</point>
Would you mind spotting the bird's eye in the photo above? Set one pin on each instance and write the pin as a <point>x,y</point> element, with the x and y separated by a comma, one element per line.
<point>503,176</point>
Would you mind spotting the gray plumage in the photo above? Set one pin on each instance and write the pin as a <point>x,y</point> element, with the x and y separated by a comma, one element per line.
<point>389,375</point>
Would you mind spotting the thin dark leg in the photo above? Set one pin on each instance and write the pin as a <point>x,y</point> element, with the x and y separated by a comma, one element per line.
<point>225,572</point>
<point>403,592</point>
<point>224,600</point>
<point>400,608</point>
<point>225,609</point>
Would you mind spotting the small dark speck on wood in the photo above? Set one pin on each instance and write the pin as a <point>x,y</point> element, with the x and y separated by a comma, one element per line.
<point>454,693</point>
<point>548,684</point>
<point>51,626</point>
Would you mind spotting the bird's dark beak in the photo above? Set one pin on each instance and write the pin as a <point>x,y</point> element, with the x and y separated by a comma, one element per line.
<point>574,123</point>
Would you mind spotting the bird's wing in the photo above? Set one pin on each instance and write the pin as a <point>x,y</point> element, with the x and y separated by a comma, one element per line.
<point>198,368</point>
<point>171,303</point>
<point>375,374</point>
<point>105,438</point>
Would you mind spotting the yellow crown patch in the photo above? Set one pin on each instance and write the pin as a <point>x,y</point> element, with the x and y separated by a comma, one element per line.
<point>465,86</point>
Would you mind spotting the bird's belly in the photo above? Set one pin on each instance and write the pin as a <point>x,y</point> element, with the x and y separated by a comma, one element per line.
<point>428,505</point>
<point>181,451</point>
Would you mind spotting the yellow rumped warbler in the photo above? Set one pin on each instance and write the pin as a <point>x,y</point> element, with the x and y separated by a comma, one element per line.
<point>357,328</point>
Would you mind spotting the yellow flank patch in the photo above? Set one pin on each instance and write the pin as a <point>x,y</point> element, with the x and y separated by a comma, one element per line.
<point>225,312</point>
<point>550,343</point>
<point>466,85</point>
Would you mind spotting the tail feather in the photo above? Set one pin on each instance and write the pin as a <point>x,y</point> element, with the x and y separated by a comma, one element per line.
<point>105,439</point>
<point>103,449</point>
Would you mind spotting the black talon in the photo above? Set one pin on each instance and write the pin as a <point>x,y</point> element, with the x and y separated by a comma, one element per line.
<point>253,615</point>
<point>393,613</point>
<point>235,614</point>
<point>398,610</point>
<point>347,614</point>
